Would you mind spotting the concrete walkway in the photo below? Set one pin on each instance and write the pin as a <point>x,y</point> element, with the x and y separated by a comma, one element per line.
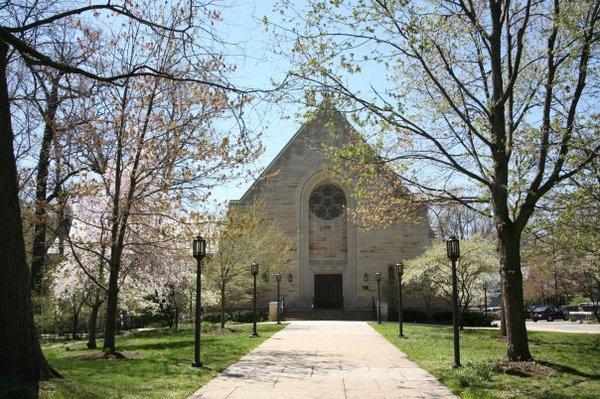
<point>556,326</point>
<point>324,359</point>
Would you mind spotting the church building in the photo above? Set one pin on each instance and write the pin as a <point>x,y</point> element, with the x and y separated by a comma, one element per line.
<point>335,262</point>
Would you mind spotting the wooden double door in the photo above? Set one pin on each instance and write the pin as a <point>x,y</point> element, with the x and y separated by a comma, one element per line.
<point>329,292</point>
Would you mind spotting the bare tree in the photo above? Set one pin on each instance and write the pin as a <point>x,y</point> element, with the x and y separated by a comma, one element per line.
<point>244,236</point>
<point>57,92</point>
<point>482,103</point>
<point>20,352</point>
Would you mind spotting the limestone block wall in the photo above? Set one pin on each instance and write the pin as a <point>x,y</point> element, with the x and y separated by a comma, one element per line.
<point>328,239</point>
<point>334,246</point>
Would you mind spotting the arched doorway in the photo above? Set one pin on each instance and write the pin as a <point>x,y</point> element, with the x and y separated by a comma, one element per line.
<point>328,244</point>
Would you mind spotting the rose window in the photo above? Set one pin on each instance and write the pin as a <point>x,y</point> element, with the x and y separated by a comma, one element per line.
<point>327,201</point>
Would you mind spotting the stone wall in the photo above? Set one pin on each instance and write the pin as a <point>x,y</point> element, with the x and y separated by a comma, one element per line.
<point>328,246</point>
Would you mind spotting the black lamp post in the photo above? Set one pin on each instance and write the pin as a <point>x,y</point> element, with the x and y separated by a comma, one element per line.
<point>453,250</point>
<point>278,300</point>
<point>254,271</point>
<point>378,275</point>
<point>485,309</point>
<point>399,273</point>
<point>199,251</point>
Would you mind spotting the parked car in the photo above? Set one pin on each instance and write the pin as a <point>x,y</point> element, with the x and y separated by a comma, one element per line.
<point>587,306</point>
<point>494,311</point>
<point>548,313</point>
<point>528,311</point>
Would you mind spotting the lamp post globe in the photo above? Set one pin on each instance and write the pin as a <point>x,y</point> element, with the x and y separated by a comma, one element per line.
<point>254,272</point>
<point>453,251</point>
<point>453,248</point>
<point>399,273</point>
<point>199,247</point>
<point>199,252</point>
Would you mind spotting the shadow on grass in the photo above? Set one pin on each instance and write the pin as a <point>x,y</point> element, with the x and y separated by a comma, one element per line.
<point>10,388</point>
<point>561,368</point>
<point>179,344</point>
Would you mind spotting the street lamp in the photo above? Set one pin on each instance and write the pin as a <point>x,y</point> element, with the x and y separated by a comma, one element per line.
<point>485,308</point>
<point>453,250</point>
<point>254,271</point>
<point>278,300</point>
<point>199,252</point>
<point>378,275</point>
<point>399,273</point>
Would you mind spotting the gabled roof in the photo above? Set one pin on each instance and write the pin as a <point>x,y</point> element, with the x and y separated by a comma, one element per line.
<point>326,113</point>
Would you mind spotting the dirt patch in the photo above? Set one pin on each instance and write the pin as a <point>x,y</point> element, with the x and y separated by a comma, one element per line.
<point>106,356</point>
<point>523,369</point>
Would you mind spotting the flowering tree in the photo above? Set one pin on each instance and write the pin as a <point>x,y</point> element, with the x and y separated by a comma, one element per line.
<point>166,270</point>
<point>71,288</point>
<point>432,271</point>
<point>244,236</point>
<point>200,65</point>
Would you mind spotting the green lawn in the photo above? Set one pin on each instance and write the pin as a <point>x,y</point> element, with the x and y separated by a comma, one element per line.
<point>161,367</point>
<point>567,365</point>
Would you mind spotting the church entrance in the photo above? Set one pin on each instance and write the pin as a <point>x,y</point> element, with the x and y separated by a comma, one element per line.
<point>329,291</point>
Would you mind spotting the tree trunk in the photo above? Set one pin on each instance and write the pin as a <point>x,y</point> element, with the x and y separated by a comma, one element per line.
<point>93,325</point>
<point>176,320</point>
<point>110,328</point>
<point>512,295</point>
<point>222,306</point>
<point>39,249</point>
<point>502,320</point>
<point>76,310</point>
<point>21,356</point>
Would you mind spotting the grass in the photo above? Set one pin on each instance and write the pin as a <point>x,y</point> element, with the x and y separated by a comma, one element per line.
<point>160,368</point>
<point>567,365</point>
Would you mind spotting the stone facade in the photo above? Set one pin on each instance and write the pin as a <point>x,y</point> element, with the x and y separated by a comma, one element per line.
<point>304,198</point>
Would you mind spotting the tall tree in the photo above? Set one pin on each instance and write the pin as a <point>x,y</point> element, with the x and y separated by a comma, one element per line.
<point>488,103</point>
<point>20,352</point>
<point>54,97</point>
<point>477,264</point>
<point>568,232</point>
<point>244,236</point>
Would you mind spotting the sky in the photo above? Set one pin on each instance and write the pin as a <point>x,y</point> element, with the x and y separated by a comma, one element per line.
<point>256,68</point>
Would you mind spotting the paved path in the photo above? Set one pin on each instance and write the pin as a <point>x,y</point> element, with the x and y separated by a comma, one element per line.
<point>324,359</point>
<point>558,326</point>
<point>563,326</point>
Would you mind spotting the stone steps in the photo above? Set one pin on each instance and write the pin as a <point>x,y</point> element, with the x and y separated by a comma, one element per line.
<point>329,314</point>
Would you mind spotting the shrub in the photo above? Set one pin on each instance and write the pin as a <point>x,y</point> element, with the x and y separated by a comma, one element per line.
<point>470,319</point>
<point>442,318</point>
<point>239,316</point>
<point>414,316</point>
<point>215,317</point>
<point>246,316</point>
<point>476,319</point>
<point>408,315</point>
